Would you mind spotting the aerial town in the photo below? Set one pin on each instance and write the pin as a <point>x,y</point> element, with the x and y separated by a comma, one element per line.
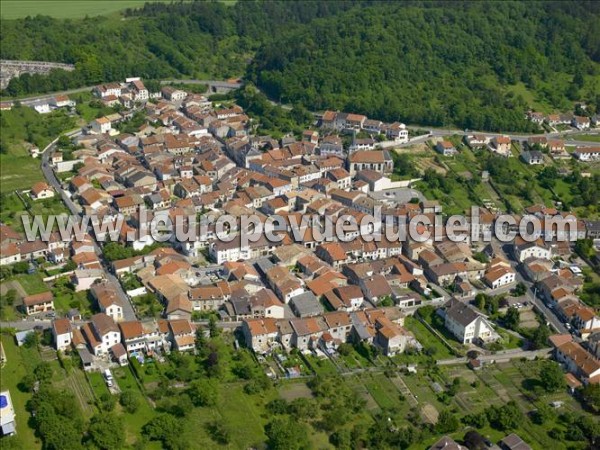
<point>303,306</point>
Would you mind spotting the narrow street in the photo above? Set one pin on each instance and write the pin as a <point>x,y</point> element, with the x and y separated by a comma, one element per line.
<point>531,292</point>
<point>128,310</point>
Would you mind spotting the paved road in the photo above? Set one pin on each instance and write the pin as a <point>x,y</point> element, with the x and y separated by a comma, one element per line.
<point>30,324</point>
<point>128,310</point>
<point>505,355</point>
<point>217,84</point>
<point>531,293</point>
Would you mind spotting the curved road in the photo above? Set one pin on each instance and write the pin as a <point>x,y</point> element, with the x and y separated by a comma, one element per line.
<point>217,84</point>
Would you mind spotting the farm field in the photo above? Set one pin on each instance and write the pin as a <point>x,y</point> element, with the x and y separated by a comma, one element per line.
<point>66,9</point>
<point>71,9</point>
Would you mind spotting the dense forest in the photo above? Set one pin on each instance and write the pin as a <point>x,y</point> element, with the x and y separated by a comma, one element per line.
<point>160,40</point>
<point>440,65</point>
<point>477,65</point>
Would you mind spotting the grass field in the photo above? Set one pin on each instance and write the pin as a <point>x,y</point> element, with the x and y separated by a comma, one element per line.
<point>428,339</point>
<point>19,363</point>
<point>18,170</point>
<point>586,137</point>
<point>71,9</point>
<point>32,283</point>
<point>65,9</point>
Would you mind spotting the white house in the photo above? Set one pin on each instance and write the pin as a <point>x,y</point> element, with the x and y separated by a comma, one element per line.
<point>397,132</point>
<point>101,334</point>
<point>41,191</point>
<point>62,333</point>
<point>41,106</point>
<point>536,249</point>
<point>173,94</point>
<point>587,153</point>
<point>581,122</point>
<point>499,276</point>
<point>106,90</point>
<point>578,361</point>
<point>532,157</point>
<point>446,148</point>
<point>107,296</point>
<point>101,125</point>
<point>61,101</point>
<point>501,145</point>
<point>468,326</point>
<point>141,93</point>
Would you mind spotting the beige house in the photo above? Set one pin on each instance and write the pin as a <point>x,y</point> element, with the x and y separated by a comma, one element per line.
<point>38,303</point>
<point>41,191</point>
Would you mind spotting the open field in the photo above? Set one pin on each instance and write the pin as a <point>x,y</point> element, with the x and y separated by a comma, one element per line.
<point>71,9</point>
<point>19,363</point>
<point>18,170</point>
<point>66,9</point>
<point>31,283</point>
<point>585,137</point>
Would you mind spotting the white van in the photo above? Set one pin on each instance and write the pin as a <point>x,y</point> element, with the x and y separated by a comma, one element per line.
<point>108,375</point>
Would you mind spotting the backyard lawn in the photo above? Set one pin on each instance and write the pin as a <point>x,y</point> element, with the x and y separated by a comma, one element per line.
<point>32,283</point>
<point>19,362</point>
<point>429,341</point>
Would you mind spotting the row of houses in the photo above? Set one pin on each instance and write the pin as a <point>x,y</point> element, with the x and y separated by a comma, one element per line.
<point>382,327</point>
<point>105,338</point>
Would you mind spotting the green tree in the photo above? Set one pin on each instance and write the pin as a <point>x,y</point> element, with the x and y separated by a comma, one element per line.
<point>167,429</point>
<point>107,431</point>
<point>505,417</point>
<point>284,433</point>
<point>543,414</point>
<point>129,401</point>
<point>540,336</point>
<point>203,393</point>
<point>590,394</point>
<point>552,377</point>
<point>107,402</point>
<point>447,422</point>
<point>512,319</point>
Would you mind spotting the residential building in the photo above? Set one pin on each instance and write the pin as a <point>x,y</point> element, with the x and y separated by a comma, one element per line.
<point>260,334</point>
<point>533,157</point>
<point>107,296</point>
<point>580,122</point>
<point>38,303</point>
<point>586,154</point>
<point>101,333</point>
<point>499,276</point>
<point>579,362</point>
<point>501,145</point>
<point>446,148</point>
<point>62,334</point>
<point>467,325</point>
<point>534,249</point>
<point>41,191</point>
<point>378,160</point>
